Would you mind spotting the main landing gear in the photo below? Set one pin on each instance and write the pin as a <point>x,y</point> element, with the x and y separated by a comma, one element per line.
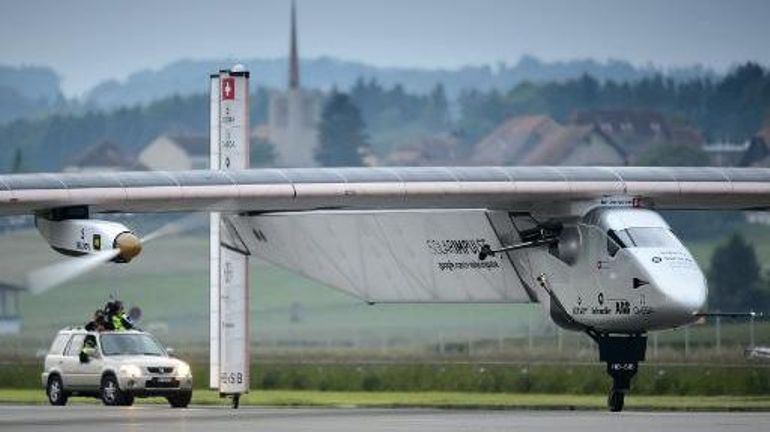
<point>235,399</point>
<point>622,353</point>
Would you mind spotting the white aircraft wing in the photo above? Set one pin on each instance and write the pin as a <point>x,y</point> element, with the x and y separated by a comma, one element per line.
<point>390,256</point>
<point>269,190</point>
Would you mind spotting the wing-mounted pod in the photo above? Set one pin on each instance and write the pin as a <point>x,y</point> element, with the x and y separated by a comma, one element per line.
<point>71,232</point>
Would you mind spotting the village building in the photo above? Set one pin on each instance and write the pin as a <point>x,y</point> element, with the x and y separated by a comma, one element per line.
<point>636,131</point>
<point>176,152</point>
<point>540,140</point>
<point>10,315</point>
<point>434,150</point>
<point>103,157</point>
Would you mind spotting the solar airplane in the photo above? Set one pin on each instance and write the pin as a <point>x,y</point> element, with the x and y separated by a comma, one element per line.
<point>584,242</point>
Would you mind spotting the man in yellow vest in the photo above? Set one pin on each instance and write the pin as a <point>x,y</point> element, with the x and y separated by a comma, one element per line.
<point>117,316</point>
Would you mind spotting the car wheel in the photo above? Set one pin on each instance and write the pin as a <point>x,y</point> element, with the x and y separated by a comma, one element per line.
<point>180,400</point>
<point>112,395</point>
<point>55,391</point>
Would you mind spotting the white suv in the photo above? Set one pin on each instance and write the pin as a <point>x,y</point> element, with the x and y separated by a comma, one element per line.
<point>114,366</point>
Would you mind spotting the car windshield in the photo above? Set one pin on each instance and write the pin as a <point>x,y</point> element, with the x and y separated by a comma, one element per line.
<point>127,344</point>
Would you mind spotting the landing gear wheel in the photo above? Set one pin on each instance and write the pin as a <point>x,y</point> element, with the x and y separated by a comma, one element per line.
<point>112,395</point>
<point>622,353</point>
<point>55,391</point>
<point>615,400</point>
<point>180,400</point>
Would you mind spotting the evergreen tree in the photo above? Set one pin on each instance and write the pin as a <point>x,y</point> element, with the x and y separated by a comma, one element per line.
<point>436,111</point>
<point>735,277</point>
<point>18,162</point>
<point>262,153</point>
<point>342,135</point>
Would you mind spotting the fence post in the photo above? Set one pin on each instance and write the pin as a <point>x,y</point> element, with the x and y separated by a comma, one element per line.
<point>719,334</point>
<point>468,343</point>
<point>529,333</point>
<point>687,342</point>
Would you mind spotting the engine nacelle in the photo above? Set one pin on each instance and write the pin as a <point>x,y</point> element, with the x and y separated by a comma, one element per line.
<point>77,237</point>
<point>569,245</point>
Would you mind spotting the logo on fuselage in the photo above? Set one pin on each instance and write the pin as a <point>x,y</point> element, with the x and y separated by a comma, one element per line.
<point>622,307</point>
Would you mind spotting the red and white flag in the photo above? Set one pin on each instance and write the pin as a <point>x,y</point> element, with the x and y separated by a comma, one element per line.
<point>228,88</point>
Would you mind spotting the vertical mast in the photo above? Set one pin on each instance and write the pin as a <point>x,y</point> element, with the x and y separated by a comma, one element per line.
<point>230,284</point>
<point>214,221</point>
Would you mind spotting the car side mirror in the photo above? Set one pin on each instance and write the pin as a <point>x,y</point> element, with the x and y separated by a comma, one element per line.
<point>170,351</point>
<point>84,357</point>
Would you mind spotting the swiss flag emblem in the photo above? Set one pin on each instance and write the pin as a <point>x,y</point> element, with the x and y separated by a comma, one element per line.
<point>228,88</point>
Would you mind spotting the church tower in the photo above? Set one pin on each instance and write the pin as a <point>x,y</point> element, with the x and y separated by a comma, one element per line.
<point>293,54</point>
<point>294,114</point>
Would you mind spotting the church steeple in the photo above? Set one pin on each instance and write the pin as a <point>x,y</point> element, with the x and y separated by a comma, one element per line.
<point>294,56</point>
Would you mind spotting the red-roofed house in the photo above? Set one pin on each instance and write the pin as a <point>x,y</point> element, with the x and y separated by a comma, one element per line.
<point>539,140</point>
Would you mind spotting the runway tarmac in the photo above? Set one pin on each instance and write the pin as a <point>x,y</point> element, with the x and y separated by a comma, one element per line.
<point>87,418</point>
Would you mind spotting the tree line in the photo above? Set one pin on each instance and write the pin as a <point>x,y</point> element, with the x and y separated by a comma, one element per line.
<point>729,108</point>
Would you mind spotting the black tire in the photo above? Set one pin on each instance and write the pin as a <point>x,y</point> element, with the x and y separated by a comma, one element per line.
<point>180,400</point>
<point>615,401</point>
<point>111,393</point>
<point>55,391</point>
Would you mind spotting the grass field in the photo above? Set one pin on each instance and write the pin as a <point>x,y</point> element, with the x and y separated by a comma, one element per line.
<point>537,377</point>
<point>447,400</point>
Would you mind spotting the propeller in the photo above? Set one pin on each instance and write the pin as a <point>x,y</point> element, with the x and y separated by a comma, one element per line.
<point>128,246</point>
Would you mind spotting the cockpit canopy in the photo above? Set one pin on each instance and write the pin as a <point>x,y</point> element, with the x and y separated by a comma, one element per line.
<point>632,228</point>
<point>643,237</point>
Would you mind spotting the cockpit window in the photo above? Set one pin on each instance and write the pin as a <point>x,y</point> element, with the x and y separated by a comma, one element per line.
<point>617,240</point>
<point>652,237</point>
<point>640,237</point>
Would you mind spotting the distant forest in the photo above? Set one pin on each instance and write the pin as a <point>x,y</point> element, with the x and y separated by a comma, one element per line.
<point>732,107</point>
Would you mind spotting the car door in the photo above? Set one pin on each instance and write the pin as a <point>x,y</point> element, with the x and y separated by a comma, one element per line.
<point>71,370</point>
<point>55,358</point>
<point>92,370</point>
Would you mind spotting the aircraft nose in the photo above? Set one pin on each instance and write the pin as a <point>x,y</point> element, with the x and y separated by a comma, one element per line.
<point>686,293</point>
<point>677,288</point>
<point>682,286</point>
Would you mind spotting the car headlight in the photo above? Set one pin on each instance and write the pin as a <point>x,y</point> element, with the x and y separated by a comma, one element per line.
<point>131,371</point>
<point>183,370</point>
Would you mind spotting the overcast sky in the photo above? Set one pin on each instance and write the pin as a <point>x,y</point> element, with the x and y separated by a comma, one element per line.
<point>87,41</point>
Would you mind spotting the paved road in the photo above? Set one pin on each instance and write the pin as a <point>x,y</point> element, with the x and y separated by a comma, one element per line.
<point>209,419</point>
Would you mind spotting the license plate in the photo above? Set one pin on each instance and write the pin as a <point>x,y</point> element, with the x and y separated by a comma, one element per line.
<point>164,380</point>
